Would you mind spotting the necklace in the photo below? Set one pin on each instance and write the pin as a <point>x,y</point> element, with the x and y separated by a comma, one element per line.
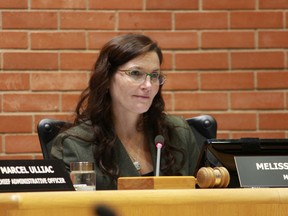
<point>136,164</point>
<point>135,153</point>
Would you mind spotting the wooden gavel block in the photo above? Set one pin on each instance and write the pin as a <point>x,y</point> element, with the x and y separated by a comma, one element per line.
<point>216,177</point>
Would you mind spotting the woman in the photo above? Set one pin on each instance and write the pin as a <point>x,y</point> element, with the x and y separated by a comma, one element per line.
<point>121,112</point>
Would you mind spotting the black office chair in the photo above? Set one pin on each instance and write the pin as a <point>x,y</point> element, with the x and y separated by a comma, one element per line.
<point>204,127</point>
<point>47,129</point>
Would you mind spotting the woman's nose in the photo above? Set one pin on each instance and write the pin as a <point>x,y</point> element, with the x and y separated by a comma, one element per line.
<point>147,81</point>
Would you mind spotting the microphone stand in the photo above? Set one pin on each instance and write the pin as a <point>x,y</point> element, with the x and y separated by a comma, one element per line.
<point>158,146</point>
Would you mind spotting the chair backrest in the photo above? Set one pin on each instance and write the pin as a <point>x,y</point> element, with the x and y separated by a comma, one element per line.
<point>47,129</point>
<point>204,127</point>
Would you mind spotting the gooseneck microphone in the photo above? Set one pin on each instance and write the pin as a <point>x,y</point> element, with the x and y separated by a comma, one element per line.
<point>159,143</point>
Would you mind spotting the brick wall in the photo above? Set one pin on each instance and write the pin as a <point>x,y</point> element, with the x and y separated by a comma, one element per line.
<point>226,58</point>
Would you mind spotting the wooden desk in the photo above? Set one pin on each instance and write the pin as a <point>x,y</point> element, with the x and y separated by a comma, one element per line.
<point>216,202</point>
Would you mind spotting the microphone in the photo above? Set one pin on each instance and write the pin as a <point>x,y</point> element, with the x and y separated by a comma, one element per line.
<point>159,142</point>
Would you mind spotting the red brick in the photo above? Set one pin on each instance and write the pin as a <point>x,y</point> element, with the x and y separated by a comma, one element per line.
<point>202,61</point>
<point>257,101</point>
<point>257,59</point>
<point>222,135</point>
<point>29,20</point>
<point>16,157</point>
<point>58,40</point>
<point>13,40</point>
<point>252,20</point>
<point>276,4</point>
<point>227,81</point>
<point>236,121</point>
<point>228,5</point>
<point>59,4</point>
<point>30,60</point>
<point>58,81</point>
<point>22,144</point>
<point>168,101</point>
<point>69,102</point>
<point>201,101</point>
<point>273,39</point>
<point>227,40</point>
<point>13,4</point>
<point>273,121</point>
<point>186,114</point>
<point>38,157</point>
<point>77,61</point>
<point>145,20</point>
<point>15,124</point>
<point>167,61</point>
<point>181,81</point>
<point>87,20</point>
<point>286,100</point>
<point>172,5</point>
<point>286,21</point>
<point>116,4</point>
<point>14,81</point>
<point>1,146</point>
<point>37,102</point>
<point>203,20</point>
<point>175,40</point>
<point>272,80</point>
<point>96,40</point>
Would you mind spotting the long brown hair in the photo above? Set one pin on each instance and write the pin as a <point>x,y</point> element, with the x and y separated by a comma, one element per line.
<point>95,103</point>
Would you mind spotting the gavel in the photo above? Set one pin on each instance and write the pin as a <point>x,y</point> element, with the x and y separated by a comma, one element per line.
<point>216,177</point>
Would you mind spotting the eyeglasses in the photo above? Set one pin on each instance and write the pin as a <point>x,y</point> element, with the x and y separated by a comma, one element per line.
<point>140,76</point>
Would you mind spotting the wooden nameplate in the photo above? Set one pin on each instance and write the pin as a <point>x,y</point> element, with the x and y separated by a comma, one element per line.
<point>159,182</point>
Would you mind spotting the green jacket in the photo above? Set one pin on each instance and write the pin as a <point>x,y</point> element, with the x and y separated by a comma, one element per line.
<point>75,149</point>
